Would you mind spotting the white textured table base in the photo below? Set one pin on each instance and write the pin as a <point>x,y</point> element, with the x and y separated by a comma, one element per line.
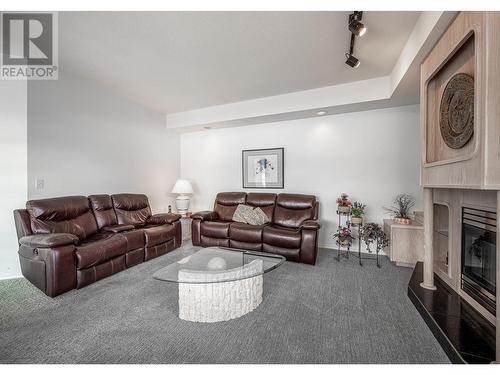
<point>220,300</point>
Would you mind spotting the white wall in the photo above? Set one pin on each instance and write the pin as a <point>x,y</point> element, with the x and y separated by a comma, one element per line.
<point>13,170</point>
<point>372,155</point>
<point>85,139</point>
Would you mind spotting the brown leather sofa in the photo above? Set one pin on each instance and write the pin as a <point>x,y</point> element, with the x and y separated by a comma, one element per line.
<point>70,242</point>
<point>292,231</point>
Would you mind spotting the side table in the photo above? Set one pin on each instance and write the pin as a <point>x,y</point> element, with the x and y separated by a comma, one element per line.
<point>186,228</point>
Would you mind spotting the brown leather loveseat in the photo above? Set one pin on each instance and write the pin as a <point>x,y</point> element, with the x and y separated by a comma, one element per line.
<point>70,242</point>
<point>292,231</point>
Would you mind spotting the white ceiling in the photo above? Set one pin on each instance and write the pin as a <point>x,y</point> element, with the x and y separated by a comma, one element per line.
<point>178,61</point>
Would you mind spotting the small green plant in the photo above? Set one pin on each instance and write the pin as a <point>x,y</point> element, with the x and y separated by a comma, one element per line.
<point>369,232</point>
<point>403,203</point>
<point>373,232</point>
<point>358,209</point>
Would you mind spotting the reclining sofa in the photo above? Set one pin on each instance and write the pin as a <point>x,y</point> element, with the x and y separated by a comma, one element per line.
<point>71,242</point>
<point>291,232</point>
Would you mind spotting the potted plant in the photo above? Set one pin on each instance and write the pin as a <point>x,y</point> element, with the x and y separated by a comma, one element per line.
<point>401,209</point>
<point>369,233</point>
<point>344,204</point>
<point>344,237</point>
<point>357,211</point>
<point>382,240</point>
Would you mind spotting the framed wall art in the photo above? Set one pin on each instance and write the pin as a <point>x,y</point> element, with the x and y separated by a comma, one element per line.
<point>263,168</point>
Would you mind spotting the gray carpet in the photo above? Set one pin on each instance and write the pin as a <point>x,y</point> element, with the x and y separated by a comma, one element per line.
<point>329,313</point>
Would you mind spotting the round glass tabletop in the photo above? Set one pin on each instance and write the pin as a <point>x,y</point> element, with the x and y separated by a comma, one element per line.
<point>217,265</point>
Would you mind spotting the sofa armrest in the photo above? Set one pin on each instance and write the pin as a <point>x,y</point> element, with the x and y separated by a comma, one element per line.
<point>160,219</point>
<point>48,240</point>
<point>310,224</point>
<point>117,228</point>
<point>205,215</point>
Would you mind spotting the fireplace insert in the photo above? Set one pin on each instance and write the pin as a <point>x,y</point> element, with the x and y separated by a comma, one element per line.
<point>479,256</point>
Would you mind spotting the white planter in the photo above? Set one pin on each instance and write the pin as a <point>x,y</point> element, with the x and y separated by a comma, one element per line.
<point>344,209</point>
<point>400,220</point>
<point>356,220</point>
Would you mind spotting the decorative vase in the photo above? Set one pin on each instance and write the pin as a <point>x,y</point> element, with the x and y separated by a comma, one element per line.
<point>344,209</point>
<point>403,221</point>
<point>356,220</point>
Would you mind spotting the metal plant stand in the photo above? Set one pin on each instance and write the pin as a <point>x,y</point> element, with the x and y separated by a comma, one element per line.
<point>346,216</point>
<point>366,256</point>
<point>349,225</point>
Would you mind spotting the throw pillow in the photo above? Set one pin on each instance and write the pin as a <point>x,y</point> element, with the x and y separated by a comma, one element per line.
<point>256,217</point>
<point>240,212</point>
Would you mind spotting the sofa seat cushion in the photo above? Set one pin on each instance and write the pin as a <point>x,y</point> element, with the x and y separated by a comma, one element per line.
<point>100,248</point>
<point>158,234</point>
<point>245,232</point>
<point>281,237</point>
<point>215,229</point>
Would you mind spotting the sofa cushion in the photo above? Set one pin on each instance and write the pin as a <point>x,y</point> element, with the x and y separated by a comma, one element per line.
<point>48,240</point>
<point>131,208</point>
<point>256,217</point>
<point>215,229</point>
<point>100,248</point>
<point>103,210</point>
<point>288,253</point>
<point>135,239</point>
<point>241,213</point>
<point>281,237</point>
<point>117,228</point>
<point>293,209</point>
<point>226,203</point>
<point>62,215</point>
<point>265,201</point>
<point>245,232</point>
<point>160,219</point>
<point>158,234</point>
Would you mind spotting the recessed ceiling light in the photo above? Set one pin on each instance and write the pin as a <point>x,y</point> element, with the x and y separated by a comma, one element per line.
<point>321,113</point>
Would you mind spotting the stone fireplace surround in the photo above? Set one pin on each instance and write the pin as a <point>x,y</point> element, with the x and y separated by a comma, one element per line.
<point>454,200</point>
<point>467,175</point>
<point>455,318</point>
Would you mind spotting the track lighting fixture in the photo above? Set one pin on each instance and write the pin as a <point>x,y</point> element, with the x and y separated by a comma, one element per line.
<point>355,25</point>
<point>357,29</point>
<point>352,61</point>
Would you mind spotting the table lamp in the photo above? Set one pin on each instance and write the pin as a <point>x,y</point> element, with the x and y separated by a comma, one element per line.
<point>183,188</point>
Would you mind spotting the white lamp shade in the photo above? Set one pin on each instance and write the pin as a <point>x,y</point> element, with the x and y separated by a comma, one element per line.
<point>182,187</point>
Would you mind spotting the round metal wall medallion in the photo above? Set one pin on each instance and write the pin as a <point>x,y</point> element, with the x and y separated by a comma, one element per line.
<point>457,111</point>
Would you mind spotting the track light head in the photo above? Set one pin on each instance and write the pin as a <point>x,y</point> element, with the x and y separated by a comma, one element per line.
<point>352,61</point>
<point>355,25</point>
<point>357,28</point>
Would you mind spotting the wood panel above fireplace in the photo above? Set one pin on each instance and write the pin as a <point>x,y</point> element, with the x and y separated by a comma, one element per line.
<point>471,46</point>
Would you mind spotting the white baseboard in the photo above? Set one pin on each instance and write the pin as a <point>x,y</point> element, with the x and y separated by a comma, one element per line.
<point>11,277</point>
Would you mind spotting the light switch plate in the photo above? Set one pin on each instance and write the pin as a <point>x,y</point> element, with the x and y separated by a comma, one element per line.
<point>39,184</point>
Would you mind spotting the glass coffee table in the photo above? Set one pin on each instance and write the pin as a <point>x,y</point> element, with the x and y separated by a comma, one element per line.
<point>218,284</point>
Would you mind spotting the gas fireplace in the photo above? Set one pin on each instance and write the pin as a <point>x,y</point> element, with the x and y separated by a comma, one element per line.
<point>479,256</point>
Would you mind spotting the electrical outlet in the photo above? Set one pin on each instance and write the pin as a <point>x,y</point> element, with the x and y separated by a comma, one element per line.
<point>39,184</point>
